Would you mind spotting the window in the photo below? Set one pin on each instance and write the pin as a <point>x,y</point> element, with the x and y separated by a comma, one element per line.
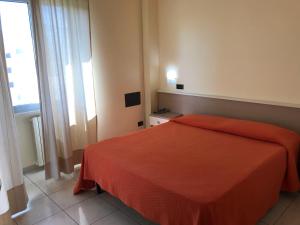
<point>19,55</point>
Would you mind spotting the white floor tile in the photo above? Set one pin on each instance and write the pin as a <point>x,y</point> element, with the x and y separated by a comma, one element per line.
<point>65,197</point>
<point>90,210</point>
<point>39,209</point>
<point>51,186</point>
<point>117,218</point>
<point>126,210</point>
<point>135,216</point>
<point>36,175</point>
<point>57,219</point>
<point>33,191</point>
<point>112,200</point>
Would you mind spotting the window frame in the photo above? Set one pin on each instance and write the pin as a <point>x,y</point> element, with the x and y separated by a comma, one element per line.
<point>36,107</point>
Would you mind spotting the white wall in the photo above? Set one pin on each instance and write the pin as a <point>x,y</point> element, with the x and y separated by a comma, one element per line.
<point>244,49</point>
<point>150,55</point>
<point>117,62</point>
<point>26,138</point>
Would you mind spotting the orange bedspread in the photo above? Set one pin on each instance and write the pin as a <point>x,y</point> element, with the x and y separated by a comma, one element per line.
<point>196,170</point>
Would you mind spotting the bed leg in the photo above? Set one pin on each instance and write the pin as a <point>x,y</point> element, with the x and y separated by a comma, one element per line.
<point>98,189</point>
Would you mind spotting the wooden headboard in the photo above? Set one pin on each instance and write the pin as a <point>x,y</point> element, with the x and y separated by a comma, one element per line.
<point>284,116</point>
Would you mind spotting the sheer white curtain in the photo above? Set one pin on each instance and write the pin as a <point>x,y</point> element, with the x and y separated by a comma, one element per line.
<point>13,197</point>
<point>62,37</point>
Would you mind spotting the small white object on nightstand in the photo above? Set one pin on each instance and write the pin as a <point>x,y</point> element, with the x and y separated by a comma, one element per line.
<point>160,118</point>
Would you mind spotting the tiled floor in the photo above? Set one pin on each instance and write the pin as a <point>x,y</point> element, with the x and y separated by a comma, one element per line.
<point>52,203</point>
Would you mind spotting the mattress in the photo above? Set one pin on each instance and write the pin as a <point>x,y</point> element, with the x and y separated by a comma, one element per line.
<point>196,170</point>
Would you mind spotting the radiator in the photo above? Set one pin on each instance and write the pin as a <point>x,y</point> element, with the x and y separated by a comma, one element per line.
<point>38,137</point>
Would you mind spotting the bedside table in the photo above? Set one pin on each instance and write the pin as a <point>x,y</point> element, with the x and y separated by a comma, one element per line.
<point>157,119</point>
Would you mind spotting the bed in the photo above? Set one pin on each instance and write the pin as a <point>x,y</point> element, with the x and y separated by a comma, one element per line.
<point>196,170</point>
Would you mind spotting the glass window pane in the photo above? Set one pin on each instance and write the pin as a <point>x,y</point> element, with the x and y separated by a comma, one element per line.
<point>19,54</point>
